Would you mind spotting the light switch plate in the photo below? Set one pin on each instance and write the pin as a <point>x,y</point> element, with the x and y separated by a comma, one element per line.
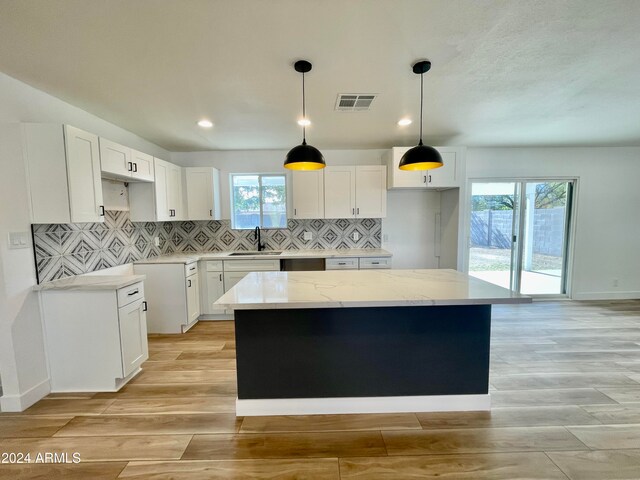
<point>156,241</point>
<point>18,240</point>
<point>307,236</point>
<point>356,236</point>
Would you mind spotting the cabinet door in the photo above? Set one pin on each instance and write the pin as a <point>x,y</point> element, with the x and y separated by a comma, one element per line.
<point>231,278</point>
<point>199,183</point>
<point>308,194</point>
<point>339,192</point>
<point>115,158</point>
<point>371,191</point>
<point>447,175</point>
<point>215,289</point>
<point>84,176</point>
<point>133,336</point>
<point>403,178</point>
<point>142,166</point>
<point>161,187</point>
<point>193,298</point>
<point>174,192</point>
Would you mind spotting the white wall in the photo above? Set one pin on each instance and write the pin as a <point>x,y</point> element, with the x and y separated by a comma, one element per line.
<point>607,233</point>
<point>23,369</point>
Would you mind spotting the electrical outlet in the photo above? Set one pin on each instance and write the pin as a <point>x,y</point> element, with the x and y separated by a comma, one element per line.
<point>356,236</point>
<point>308,236</point>
<point>18,240</point>
<point>156,241</point>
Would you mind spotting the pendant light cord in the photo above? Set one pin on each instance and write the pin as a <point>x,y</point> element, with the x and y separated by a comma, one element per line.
<point>304,114</point>
<point>421,102</point>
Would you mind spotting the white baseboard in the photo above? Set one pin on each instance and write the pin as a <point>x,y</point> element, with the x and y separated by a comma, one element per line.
<point>213,318</point>
<point>632,295</point>
<point>19,403</point>
<point>318,406</point>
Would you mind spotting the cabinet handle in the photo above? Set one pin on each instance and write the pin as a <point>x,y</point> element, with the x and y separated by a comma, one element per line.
<point>295,212</point>
<point>429,178</point>
<point>211,213</point>
<point>424,179</point>
<point>192,269</point>
<point>144,306</point>
<point>101,210</point>
<point>220,277</point>
<point>375,263</point>
<point>135,167</point>
<point>358,210</point>
<point>353,211</point>
<point>135,292</point>
<point>129,166</point>
<point>189,283</point>
<point>342,263</point>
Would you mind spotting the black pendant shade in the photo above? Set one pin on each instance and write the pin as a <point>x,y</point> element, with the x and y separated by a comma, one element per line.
<point>304,157</point>
<point>421,157</point>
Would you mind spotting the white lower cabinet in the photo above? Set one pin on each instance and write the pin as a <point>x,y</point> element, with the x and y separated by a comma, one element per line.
<point>96,339</point>
<point>173,293</point>
<point>211,287</point>
<point>341,264</point>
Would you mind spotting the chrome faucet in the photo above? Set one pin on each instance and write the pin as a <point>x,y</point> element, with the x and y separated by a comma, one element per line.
<point>256,236</point>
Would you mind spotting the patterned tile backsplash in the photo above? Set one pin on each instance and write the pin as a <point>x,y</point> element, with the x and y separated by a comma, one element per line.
<point>63,250</point>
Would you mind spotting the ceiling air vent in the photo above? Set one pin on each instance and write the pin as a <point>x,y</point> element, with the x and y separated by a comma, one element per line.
<point>354,102</point>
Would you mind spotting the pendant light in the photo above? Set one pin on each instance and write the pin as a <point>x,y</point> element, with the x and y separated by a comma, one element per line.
<point>421,157</point>
<point>304,157</point>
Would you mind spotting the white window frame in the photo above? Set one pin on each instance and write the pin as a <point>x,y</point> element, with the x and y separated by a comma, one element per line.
<point>260,177</point>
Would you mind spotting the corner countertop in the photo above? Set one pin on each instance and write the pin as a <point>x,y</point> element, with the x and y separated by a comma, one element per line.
<point>91,282</point>
<point>363,288</point>
<point>187,258</point>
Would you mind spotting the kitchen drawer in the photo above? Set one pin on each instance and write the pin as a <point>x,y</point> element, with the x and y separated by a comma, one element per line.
<point>213,265</point>
<point>190,269</point>
<point>130,294</point>
<point>341,264</point>
<point>270,265</point>
<point>375,262</point>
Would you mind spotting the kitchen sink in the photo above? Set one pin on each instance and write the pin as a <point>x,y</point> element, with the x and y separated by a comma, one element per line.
<point>270,252</point>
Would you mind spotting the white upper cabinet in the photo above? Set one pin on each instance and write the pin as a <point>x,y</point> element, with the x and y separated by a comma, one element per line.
<point>308,193</point>
<point>63,168</point>
<point>159,201</point>
<point>355,192</point>
<point>124,163</point>
<point>203,193</point>
<point>115,159</point>
<point>447,176</point>
<point>340,192</point>
<point>371,191</point>
<point>142,166</point>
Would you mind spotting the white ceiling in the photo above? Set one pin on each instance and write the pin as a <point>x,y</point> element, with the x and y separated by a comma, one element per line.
<point>505,73</point>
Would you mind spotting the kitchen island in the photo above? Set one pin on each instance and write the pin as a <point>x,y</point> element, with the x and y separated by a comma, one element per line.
<point>363,341</point>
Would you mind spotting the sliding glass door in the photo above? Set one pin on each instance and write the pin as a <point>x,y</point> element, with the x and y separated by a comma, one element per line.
<point>519,234</point>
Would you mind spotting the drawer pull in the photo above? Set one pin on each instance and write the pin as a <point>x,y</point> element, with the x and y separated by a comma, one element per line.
<point>144,306</point>
<point>342,263</point>
<point>135,292</point>
<point>189,283</point>
<point>375,263</point>
<point>192,269</point>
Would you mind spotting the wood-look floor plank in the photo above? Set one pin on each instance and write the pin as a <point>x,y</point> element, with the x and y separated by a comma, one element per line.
<point>549,397</point>
<point>192,365</point>
<point>480,440</point>
<point>160,377</point>
<point>167,390</point>
<point>69,407</point>
<point>623,395</point>
<point>285,445</point>
<point>163,356</point>
<point>31,426</point>
<point>207,355</point>
<point>291,469</point>
<point>178,405</point>
<point>508,417</point>
<point>608,437</point>
<point>99,449</point>
<point>615,414</point>
<point>493,466</point>
<point>568,380</point>
<point>599,465</point>
<point>70,471</point>
<point>326,423</point>
<point>150,425</point>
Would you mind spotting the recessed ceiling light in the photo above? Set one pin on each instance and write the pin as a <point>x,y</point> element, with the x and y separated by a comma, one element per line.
<point>304,122</point>
<point>404,122</point>
<point>205,123</point>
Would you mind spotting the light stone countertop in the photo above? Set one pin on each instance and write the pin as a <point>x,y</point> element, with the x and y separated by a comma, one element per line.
<point>187,258</point>
<point>363,288</point>
<point>91,282</point>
